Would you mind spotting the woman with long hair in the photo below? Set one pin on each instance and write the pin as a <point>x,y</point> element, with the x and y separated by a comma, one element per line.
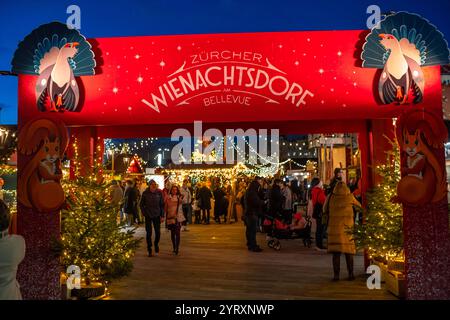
<point>339,206</point>
<point>174,216</point>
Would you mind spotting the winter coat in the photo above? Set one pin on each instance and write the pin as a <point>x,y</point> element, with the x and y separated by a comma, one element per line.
<point>116,195</point>
<point>152,204</point>
<point>12,252</point>
<point>204,196</point>
<point>276,201</point>
<point>333,183</point>
<point>187,195</point>
<point>253,203</point>
<point>287,195</point>
<point>219,202</point>
<point>340,207</point>
<point>172,214</point>
<point>131,198</point>
<point>317,196</point>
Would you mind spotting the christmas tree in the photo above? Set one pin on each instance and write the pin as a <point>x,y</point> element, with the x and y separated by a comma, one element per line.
<point>382,231</point>
<point>8,145</point>
<point>91,237</point>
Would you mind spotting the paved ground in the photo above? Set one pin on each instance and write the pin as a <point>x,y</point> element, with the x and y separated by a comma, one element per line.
<point>214,264</point>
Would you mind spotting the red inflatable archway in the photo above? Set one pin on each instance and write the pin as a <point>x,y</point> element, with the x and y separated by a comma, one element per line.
<point>298,82</point>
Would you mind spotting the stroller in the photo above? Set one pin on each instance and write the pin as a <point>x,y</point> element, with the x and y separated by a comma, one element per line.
<point>277,229</point>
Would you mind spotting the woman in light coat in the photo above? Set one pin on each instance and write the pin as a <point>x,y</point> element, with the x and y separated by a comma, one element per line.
<point>12,252</point>
<point>174,216</point>
<point>339,206</point>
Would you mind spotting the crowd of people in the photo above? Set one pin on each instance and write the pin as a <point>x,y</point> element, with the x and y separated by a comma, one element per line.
<point>249,201</point>
<point>332,207</point>
<point>179,206</point>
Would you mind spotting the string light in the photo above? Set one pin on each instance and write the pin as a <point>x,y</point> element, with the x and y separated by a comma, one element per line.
<point>91,237</point>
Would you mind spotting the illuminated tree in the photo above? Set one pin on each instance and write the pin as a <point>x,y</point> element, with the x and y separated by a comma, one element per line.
<point>91,237</point>
<point>382,232</point>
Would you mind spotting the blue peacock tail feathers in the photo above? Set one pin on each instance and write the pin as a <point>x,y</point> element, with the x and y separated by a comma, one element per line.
<point>428,40</point>
<point>31,50</point>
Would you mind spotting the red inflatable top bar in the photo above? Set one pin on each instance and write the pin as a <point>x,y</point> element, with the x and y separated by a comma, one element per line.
<point>276,76</point>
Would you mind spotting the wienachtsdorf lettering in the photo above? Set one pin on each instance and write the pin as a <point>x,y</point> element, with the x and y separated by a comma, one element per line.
<point>227,77</point>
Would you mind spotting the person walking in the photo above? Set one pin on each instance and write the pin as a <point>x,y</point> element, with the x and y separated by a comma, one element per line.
<point>220,204</point>
<point>186,205</point>
<point>276,199</point>
<point>116,195</point>
<point>174,216</point>
<point>204,196</point>
<point>287,203</point>
<point>152,207</point>
<point>12,252</point>
<point>239,201</point>
<point>131,198</point>
<point>336,178</point>
<point>317,197</point>
<point>253,207</point>
<point>339,206</point>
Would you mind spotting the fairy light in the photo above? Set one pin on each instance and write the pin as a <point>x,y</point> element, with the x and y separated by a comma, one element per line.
<point>91,237</point>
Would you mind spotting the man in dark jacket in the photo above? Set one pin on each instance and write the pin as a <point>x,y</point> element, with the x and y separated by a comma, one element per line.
<point>152,207</point>
<point>276,199</point>
<point>336,178</point>
<point>220,204</point>
<point>253,208</point>
<point>204,196</point>
<point>131,198</point>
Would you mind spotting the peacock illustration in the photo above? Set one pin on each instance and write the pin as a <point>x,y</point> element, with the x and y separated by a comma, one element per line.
<point>400,44</point>
<point>57,54</point>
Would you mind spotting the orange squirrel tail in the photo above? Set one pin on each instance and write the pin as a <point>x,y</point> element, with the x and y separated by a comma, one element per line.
<point>30,139</point>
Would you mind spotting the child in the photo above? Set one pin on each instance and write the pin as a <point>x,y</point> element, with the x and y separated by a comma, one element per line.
<point>298,222</point>
<point>196,210</point>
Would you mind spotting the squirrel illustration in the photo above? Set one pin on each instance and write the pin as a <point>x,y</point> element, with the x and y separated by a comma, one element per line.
<point>39,182</point>
<point>423,179</point>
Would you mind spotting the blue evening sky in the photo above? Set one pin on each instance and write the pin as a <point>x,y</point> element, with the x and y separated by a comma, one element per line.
<point>154,17</point>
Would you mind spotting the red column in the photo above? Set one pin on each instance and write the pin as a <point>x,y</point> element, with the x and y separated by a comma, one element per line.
<point>84,138</point>
<point>427,249</point>
<point>426,234</point>
<point>373,145</point>
<point>366,158</point>
<point>39,272</point>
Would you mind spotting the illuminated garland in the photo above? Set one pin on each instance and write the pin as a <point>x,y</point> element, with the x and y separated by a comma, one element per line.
<point>7,170</point>
<point>178,175</point>
<point>8,139</point>
<point>135,147</point>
